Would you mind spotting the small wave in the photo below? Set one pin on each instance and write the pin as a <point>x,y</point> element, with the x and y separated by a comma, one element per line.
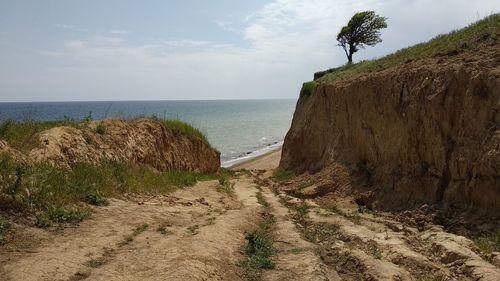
<point>253,154</point>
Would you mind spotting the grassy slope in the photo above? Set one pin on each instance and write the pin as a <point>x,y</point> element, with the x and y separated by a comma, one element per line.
<point>56,195</point>
<point>455,42</point>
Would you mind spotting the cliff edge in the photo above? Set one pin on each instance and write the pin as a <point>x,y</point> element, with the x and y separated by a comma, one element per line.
<point>144,141</point>
<point>423,130</point>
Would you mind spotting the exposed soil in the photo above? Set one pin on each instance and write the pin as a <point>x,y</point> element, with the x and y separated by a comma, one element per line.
<point>199,233</point>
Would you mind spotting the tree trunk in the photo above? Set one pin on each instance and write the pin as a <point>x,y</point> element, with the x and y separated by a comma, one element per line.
<point>351,52</point>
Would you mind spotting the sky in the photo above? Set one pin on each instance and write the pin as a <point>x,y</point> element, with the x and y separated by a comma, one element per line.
<point>81,50</point>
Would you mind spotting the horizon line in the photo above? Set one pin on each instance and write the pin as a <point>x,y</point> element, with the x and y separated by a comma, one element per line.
<point>62,101</point>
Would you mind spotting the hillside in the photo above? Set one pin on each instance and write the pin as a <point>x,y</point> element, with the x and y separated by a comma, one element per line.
<point>421,125</point>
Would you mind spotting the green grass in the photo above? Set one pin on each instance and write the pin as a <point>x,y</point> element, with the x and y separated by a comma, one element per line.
<point>307,89</point>
<point>225,185</point>
<point>259,249</point>
<point>20,135</point>
<point>300,212</point>
<point>5,226</point>
<point>280,175</point>
<point>129,238</point>
<point>486,31</point>
<point>183,128</point>
<point>261,200</point>
<point>61,215</point>
<point>53,194</point>
<point>305,184</point>
<point>488,243</point>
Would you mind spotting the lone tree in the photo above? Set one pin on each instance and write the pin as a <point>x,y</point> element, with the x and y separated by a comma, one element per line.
<point>363,29</point>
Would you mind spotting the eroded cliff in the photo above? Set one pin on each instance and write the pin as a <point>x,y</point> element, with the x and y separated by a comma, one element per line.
<point>143,141</point>
<point>423,131</point>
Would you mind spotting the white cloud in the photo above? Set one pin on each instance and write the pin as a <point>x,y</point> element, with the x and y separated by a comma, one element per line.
<point>288,41</point>
<point>227,26</point>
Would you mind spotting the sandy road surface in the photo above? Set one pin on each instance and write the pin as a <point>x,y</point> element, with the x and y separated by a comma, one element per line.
<point>198,234</point>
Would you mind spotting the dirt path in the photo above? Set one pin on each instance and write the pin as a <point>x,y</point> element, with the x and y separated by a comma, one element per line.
<point>199,233</point>
<point>193,234</point>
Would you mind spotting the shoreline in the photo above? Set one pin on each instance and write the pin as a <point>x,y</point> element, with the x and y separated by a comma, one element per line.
<point>270,148</point>
<point>266,161</point>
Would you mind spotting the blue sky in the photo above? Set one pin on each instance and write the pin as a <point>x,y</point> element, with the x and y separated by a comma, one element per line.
<point>217,49</point>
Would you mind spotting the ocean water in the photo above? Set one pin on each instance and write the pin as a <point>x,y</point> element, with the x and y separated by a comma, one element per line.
<point>239,129</point>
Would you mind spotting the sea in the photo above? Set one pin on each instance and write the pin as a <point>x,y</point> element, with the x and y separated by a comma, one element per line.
<point>239,129</point>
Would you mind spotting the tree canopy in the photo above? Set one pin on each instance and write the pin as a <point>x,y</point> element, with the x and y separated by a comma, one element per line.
<point>363,29</point>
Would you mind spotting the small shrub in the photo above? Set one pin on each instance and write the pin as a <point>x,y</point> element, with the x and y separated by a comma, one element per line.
<point>96,199</point>
<point>60,215</point>
<point>100,129</point>
<point>335,209</point>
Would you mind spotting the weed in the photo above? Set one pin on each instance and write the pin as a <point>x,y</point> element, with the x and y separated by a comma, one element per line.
<point>320,232</point>
<point>5,226</point>
<point>129,238</point>
<point>305,184</point>
<point>162,229</point>
<point>140,229</point>
<point>193,230</point>
<point>374,250</point>
<point>225,185</point>
<point>297,251</point>
<point>434,277</point>
<point>96,199</point>
<point>97,262</point>
<point>60,215</point>
<point>488,243</point>
<point>280,175</point>
<point>244,172</point>
<point>334,209</point>
<point>259,248</point>
<point>225,172</point>
<point>354,217</point>
<point>100,129</point>
<point>210,221</point>
<point>446,219</point>
<point>301,212</point>
<point>103,259</point>
<point>261,200</point>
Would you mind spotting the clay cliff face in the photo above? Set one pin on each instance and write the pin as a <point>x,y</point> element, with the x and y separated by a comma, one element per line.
<point>143,142</point>
<point>426,131</point>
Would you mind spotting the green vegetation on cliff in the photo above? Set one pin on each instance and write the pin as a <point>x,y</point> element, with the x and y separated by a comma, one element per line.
<point>473,37</point>
<point>21,135</point>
